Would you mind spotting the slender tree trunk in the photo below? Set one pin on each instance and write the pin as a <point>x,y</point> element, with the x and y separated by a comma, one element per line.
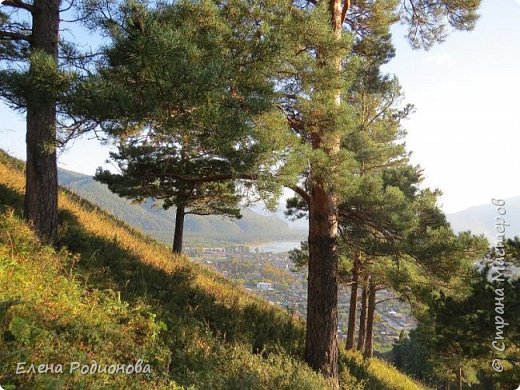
<point>459,378</point>
<point>351,327</point>
<point>321,345</point>
<point>363,315</point>
<point>41,188</point>
<point>179,228</point>
<point>369,348</point>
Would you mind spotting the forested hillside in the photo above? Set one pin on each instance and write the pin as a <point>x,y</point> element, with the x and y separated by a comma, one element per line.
<point>160,223</point>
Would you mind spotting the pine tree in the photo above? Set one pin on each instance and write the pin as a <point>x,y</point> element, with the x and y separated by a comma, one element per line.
<point>35,44</point>
<point>152,172</point>
<point>390,229</point>
<point>187,95</point>
<point>39,74</point>
<point>456,329</point>
<point>318,111</point>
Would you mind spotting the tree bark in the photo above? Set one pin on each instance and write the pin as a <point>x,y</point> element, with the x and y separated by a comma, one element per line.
<point>41,188</point>
<point>179,228</point>
<point>369,348</point>
<point>351,327</point>
<point>363,315</point>
<point>321,349</point>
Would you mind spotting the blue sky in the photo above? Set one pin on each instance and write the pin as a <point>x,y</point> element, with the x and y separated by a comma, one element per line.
<point>465,131</point>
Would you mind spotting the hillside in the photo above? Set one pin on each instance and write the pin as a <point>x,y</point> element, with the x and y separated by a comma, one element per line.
<point>160,223</point>
<point>113,296</point>
<point>481,219</point>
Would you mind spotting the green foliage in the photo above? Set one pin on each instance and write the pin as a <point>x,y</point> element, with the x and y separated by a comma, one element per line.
<point>12,50</point>
<point>457,331</point>
<point>60,320</point>
<point>403,236</point>
<point>186,90</point>
<point>33,74</point>
<point>428,20</point>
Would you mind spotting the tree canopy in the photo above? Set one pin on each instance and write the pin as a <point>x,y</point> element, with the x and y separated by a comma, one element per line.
<point>187,92</point>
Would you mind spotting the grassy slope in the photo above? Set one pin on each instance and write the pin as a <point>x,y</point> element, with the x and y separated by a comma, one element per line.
<point>115,296</point>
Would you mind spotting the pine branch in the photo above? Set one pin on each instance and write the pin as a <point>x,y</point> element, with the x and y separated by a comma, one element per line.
<point>300,191</point>
<point>386,299</point>
<point>346,7</point>
<point>204,179</point>
<point>14,36</point>
<point>19,4</point>
<point>71,4</point>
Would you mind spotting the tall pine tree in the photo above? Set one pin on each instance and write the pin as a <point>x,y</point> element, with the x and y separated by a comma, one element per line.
<point>317,95</point>
<point>38,76</point>
<point>35,43</point>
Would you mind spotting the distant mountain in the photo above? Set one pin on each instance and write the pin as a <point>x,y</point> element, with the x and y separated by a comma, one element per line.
<point>296,225</point>
<point>159,223</point>
<point>481,219</point>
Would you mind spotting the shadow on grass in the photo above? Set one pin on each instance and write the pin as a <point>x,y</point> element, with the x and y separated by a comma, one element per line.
<point>12,199</point>
<point>183,306</point>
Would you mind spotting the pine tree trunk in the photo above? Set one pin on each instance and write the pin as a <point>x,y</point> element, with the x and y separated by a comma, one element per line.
<point>321,344</point>
<point>369,348</point>
<point>363,315</point>
<point>321,350</point>
<point>41,188</point>
<point>351,327</point>
<point>179,228</point>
